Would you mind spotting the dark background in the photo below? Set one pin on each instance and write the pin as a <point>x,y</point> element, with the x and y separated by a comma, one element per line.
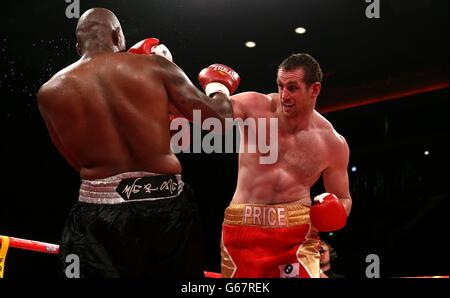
<point>385,89</point>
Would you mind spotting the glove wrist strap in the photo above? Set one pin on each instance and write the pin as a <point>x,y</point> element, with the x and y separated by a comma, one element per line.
<point>216,87</point>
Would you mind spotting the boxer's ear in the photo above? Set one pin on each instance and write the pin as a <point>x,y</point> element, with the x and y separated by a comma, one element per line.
<point>115,37</point>
<point>315,89</point>
<point>118,39</point>
<point>78,49</point>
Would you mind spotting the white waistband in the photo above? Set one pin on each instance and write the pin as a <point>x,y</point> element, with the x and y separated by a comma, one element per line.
<point>103,191</point>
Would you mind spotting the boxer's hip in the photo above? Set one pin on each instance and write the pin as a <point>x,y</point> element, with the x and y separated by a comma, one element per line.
<point>123,226</point>
<point>269,241</point>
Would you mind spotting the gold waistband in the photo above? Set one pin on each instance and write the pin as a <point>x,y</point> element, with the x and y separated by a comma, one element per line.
<point>267,216</point>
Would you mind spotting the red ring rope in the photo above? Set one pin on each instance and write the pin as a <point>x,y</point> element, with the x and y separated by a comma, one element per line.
<point>32,245</point>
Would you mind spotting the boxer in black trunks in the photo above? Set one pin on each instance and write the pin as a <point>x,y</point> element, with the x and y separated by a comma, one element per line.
<point>108,115</point>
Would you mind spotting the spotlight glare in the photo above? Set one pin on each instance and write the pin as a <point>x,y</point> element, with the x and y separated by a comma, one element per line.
<point>300,30</point>
<point>353,169</point>
<point>427,152</point>
<point>250,44</point>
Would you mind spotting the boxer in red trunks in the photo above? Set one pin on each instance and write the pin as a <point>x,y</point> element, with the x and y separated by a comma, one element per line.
<point>271,226</point>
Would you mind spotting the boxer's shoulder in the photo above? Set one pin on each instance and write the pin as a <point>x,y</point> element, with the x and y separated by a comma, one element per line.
<point>51,88</point>
<point>55,96</point>
<point>61,86</point>
<point>121,62</point>
<point>322,122</point>
<point>145,59</point>
<point>64,75</point>
<point>248,95</point>
<point>274,96</point>
<point>328,131</point>
<point>153,65</point>
<point>252,99</point>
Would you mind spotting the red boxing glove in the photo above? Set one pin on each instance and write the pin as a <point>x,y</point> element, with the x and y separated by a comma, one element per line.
<point>327,213</point>
<point>218,78</point>
<point>174,113</point>
<point>173,117</point>
<point>151,46</point>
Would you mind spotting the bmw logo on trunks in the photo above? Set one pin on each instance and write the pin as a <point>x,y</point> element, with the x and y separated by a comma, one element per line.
<point>289,270</point>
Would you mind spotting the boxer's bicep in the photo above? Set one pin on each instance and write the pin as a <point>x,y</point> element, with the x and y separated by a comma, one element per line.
<point>335,177</point>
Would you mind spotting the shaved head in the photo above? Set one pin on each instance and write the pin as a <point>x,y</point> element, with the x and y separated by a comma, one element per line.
<point>99,30</point>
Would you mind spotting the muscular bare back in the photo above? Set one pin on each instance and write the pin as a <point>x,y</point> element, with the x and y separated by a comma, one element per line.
<point>303,156</point>
<point>106,116</point>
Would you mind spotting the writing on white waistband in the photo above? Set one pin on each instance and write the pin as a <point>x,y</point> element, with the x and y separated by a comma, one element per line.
<point>154,187</point>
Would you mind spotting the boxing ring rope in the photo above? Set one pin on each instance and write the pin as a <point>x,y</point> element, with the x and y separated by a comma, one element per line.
<point>37,246</point>
<point>31,245</point>
<point>43,247</point>
<point>49,248</point>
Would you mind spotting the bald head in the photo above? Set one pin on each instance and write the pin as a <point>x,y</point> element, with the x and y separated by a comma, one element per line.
<point>99,30</point>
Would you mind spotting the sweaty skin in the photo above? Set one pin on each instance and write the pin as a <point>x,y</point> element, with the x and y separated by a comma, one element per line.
<point>108,113</point>
<point>308,147</point>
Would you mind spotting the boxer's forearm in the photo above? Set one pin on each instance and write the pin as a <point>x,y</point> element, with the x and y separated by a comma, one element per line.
<point>347,202</point>
<point>223,105</point>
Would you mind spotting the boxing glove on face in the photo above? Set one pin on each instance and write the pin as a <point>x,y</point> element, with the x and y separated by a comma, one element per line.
<point>218,78</point>
<point>151,46</point>
<point>327,213</point>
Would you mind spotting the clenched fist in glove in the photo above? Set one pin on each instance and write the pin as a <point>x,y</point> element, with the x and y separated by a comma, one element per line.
<point>218,78</point>
<point>327,213</point>
<point>151,46</point>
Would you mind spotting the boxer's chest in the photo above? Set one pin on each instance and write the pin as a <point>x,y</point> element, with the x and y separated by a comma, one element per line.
<point>303,154</point>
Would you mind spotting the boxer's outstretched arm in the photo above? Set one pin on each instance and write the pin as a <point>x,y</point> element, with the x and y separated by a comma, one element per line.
<point>239,103</point>
<point>186,97</point>
<point>248,101</point>
<point>335,177</point>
